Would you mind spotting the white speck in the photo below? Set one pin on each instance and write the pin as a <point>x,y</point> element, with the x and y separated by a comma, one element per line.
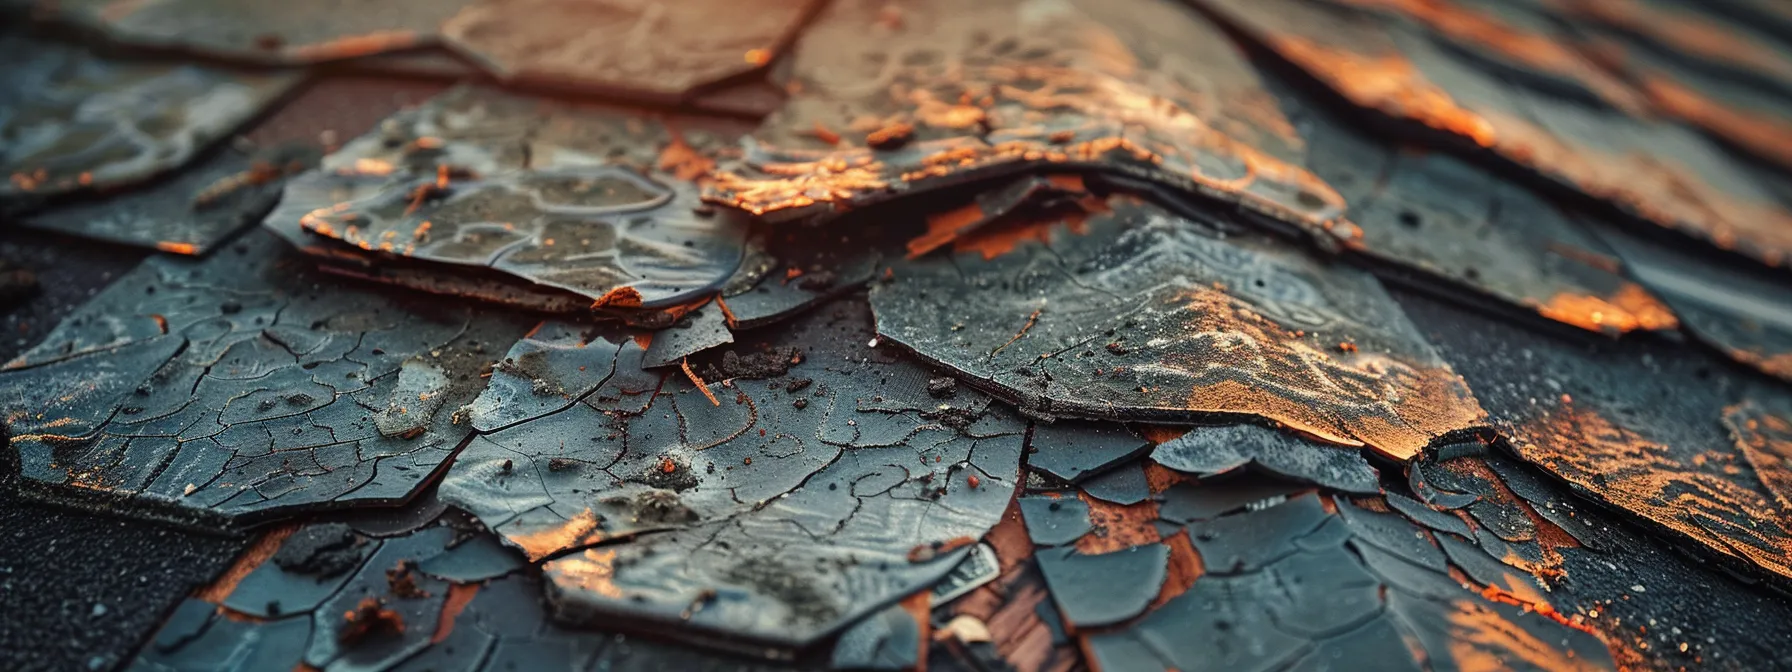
<point>872,344</point>
<point>99,610</point>
<point>1637,588</point>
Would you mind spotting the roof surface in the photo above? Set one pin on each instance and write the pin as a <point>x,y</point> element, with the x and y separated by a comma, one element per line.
<point>896,334</point>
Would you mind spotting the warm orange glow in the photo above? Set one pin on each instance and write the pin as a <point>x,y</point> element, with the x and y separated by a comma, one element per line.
<point>177,248</point>
<point>1698,500</point>
<point>1390,83</point>
<point>1629,309</point>
<point>580,530</point>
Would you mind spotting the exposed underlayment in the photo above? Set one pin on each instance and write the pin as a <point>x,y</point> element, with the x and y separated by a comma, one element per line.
<point>1036,335</point>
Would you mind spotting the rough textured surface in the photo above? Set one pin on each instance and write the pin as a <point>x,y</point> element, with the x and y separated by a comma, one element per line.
<point>1139,314</point>
<point>74,121</point>
<point>774,507</point>
<point>581,200</point>
<point>1638,427</point>
<point>1127,390</point>
<point>217,391</point>
<point>1658,172</point>
<point>631,48</point>
<point>948,93</point>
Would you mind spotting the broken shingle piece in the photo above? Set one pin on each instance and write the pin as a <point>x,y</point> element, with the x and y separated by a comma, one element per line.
<point>1140,315</point>
<point>961,93</point>
<point>790,504</point>
<point>1207,451</point>
<point>74,121</point>
<point>258,390</point>
<point>1291,585</point>
<point>556,198</point>
<point>1743,312</point>
<point>648,52</point>
<point>1686,184</point>
<point>193,210</point>
<point>264,31</point>
<point>1638,427</point>
<point>1421,216</point>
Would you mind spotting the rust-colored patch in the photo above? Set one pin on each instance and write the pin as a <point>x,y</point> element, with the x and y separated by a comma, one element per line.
<point>459,596</point>
<point>1352,399</point>
<point>264,547</point>
<point>1185,567</point>
<point>996,239</point>
<point>1117,528</point>
<point>1484,641</point>
<point>1160,434</point>
<point>369,618</point>
<point>1629,309</point>
<point>945,227</point>
<point>620,297</point>
<point>1702,498</point>
<point>576,531</point>
<point>593,571</point>
<point>1387,82</point>
<point>683,161</point>
<point>920,607</point>
<point>1765,439</point>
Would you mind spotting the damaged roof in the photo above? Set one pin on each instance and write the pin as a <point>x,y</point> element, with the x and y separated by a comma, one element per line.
<point>1037,335</point>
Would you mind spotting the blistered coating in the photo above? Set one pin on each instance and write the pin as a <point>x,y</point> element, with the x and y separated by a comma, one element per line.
<point>1152,316</point>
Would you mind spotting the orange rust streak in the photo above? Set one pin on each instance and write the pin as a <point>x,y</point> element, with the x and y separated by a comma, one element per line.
<point>684,162</point>
<point>459,595</point>
<point>1543,52</point>
<point>358,45</point>
<point>920,607</point>
<point>257,553</point>
<point>698,381</point>
<point>1687,32</point>
<point>573,532</point>
<point>177,248</point>
<point>945,227</point>
<point>1629,309</point>
<point>1390,83</point>
<point>1484,641</point>
<point>727,314</point>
